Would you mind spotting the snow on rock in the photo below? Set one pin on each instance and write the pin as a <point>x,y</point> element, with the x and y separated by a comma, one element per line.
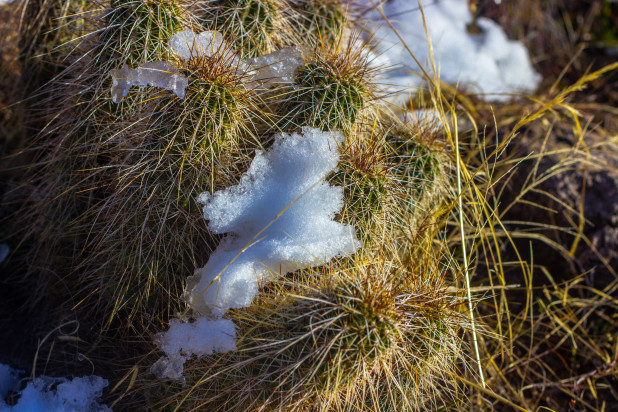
<point>276,67</point>
<point>52,394</point>
<point>487,63</point>
<point>278,219</point>
<point>157,74</point>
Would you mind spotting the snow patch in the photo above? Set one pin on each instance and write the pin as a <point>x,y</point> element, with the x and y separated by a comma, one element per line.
<point>202,337</point>
<point>487,63</point>
<point>278,219</point>
<point>52,394</point>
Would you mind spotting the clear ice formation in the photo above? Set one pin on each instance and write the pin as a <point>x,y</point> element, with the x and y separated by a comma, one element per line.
<point>273,68</point>
<point>276,67</point>
<point>487,63</point>
<point>157,74</point>
<point>52,394</point>
<point>278,219</point>
<point>187,44</point>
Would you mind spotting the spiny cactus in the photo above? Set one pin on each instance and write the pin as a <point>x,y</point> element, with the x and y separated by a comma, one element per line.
<point>369,335</point>
<point>115,201</point>
<point>387,172</point>
<point>333,90</point>
<point>254,27</point>
<point>324,22</point>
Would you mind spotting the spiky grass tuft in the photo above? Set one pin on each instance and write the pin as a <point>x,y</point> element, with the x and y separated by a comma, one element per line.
<point>372,334</point>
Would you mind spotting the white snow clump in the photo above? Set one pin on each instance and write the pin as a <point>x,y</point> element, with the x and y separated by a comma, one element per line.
<point>278,219</point>
<point>276,67</point>
<point>488,63</point>
<point>52,394</point>
<point>202,337</point>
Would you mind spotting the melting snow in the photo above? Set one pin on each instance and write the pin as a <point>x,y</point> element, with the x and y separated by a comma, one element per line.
<point>487,62</point>
<point>157,74</point>
<point>276,67</point>
<point>273,68</point>
<point>52,394</point>
<point>278,219</point>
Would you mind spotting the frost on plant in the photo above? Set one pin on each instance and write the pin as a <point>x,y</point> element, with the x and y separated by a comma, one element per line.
<point>52,394</point>
<point>487,62</point>
<point>278,219</point>
<point>157,74</point>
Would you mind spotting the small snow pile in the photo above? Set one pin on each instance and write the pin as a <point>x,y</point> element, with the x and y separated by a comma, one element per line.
<point>276,67</point>
<point>52,394</point>
<point>278,219</point>
<point>9,381</point>
<point>487,63</point>
<point>202,337</point>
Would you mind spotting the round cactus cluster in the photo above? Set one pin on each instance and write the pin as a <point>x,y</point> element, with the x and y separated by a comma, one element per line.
<point>135,121</point>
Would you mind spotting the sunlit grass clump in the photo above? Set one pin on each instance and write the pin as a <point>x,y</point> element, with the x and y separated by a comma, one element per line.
<point>374,334</point>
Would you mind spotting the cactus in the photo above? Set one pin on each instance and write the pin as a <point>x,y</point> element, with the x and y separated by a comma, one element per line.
<point>333,90</point>
<point>369,335</point>
<point>114,202</point>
